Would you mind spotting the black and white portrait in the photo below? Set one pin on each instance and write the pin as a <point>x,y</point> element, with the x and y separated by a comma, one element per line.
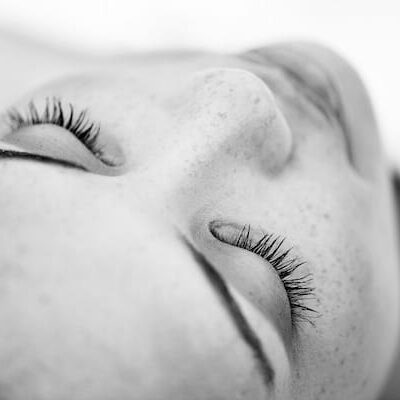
<point>199,200</point>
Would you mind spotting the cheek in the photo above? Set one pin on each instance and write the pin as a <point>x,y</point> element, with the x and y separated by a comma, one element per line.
<point>88,308</point>
<point>343,350</point>
<point>352,342</point>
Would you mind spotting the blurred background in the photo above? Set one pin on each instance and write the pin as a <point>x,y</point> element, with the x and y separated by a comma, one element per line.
<point>367,32</point>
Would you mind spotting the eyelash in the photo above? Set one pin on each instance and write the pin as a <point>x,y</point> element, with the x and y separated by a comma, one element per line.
<point>298,286</point>
<point>55,113</point>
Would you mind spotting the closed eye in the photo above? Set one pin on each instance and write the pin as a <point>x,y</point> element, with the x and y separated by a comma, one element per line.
<point>52,144</point>
<point>297,284</point>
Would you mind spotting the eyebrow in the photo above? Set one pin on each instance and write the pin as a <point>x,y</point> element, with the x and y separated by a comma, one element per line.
<point>246,331</point>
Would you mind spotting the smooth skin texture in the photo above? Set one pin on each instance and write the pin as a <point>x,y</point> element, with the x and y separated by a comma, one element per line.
<point>100,298</point>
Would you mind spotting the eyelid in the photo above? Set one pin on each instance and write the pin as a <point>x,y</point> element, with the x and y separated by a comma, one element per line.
<point>63,118</point>
<point>41,143</point>
<point>298,285</point>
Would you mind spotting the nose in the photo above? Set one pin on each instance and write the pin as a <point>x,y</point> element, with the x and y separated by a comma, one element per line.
<point>232,113</point>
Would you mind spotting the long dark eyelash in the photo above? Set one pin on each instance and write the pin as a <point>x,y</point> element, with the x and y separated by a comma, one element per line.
<point>56,113</point>
<point>298,287</point>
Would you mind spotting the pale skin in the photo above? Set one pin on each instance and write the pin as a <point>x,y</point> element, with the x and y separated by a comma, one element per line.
<point>103,288</point>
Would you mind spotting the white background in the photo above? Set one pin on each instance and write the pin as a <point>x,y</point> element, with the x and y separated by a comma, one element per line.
<point>367,32</point>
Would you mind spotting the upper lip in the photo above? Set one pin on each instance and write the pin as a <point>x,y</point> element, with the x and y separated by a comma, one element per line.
<point>323,94</point>
<point>321,89</point>
<point>315,82</point>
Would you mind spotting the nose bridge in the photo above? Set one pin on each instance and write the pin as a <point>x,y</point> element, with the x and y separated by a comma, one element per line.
<point>233,112</point>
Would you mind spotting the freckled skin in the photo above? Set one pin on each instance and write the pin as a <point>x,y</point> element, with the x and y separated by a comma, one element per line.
<point>99,299</point>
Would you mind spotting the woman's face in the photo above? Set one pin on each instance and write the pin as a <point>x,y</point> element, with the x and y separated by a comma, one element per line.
<point>227,233</point>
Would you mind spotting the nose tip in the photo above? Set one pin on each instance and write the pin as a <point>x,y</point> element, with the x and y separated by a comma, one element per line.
<point>244,110</point>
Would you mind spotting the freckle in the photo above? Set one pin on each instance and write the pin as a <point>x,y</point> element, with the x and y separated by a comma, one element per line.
<point>256,100</point>
<point>338,283</point>
<point>43,299</point>
<point>22,249</point>
<point>342,361</point>
<point>11,270</point>
<point>326,216</point>
<point>222,115</point>
<point>364,382</point>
